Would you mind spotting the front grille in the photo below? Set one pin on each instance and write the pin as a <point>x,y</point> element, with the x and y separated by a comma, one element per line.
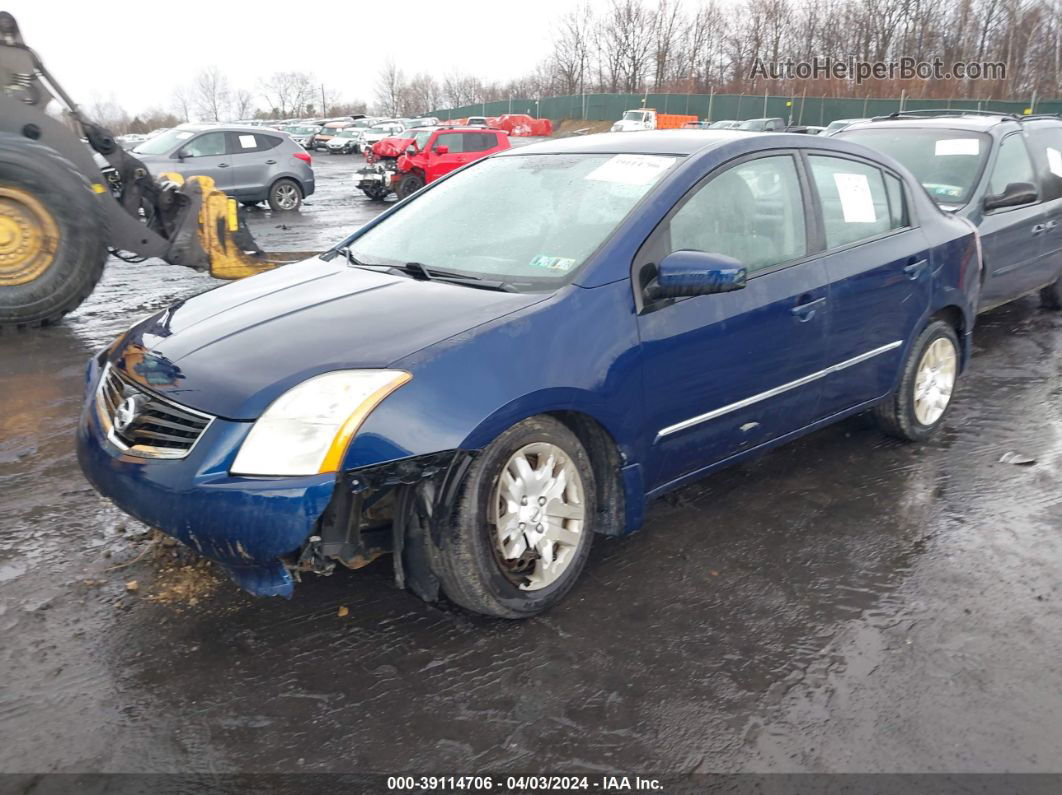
<point>144,424</point>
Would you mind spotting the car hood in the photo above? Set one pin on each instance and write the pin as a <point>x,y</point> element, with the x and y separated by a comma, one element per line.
<point>232,350</point>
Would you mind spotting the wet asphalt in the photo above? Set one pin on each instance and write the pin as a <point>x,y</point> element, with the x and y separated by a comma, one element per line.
<point>844,604</point>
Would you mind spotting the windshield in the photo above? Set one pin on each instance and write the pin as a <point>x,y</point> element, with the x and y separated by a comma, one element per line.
<point>421,138</point>
<point>836,125</point>
<point>164,143</point>
<point>385,129</point>
<point>752,124</point>
<point>548,214</point>
<point>346,133</point>
<point>948,163</point>
<point>633,115</point>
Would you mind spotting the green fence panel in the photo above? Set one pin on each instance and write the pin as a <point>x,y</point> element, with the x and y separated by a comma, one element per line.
<point>815,110</point>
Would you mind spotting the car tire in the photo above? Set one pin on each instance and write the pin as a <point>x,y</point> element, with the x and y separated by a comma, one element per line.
<point>285,196</point>
<point>376,194</point>
<point>1051,296</point>
<point>487,573</point>
<point>920,404</point>
<point>54,239</point>
<point>408,185</point>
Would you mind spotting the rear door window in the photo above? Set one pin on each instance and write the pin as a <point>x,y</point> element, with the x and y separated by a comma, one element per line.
<point>478,142</point>
<point>266,141</point>
<point>855,203</point>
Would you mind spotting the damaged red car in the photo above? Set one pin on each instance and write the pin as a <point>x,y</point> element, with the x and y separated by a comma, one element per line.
<point>431,154</point>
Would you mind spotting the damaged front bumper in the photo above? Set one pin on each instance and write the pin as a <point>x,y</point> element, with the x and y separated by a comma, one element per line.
<point>265,531</point>
<point>246,524</point>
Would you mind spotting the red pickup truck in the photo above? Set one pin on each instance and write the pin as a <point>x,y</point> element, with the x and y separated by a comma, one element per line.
<point>425,160</point>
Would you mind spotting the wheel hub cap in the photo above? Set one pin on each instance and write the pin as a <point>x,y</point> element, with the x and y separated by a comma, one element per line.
<point>935,381</point>
<point>29,237</point>
<point>539,515</point>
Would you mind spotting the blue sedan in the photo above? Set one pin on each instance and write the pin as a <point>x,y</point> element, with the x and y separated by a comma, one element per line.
<point>526,352</point>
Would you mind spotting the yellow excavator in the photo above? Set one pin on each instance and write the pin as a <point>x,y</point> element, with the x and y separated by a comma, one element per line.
<point>62,213</point>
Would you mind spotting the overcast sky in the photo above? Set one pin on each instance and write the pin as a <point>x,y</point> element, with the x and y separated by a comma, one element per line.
<point>140,50</point>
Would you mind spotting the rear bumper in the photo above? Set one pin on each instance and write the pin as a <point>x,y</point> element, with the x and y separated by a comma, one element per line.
<point>244,524</point>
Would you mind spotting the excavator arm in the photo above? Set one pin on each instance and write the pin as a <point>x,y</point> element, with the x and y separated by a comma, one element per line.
<point>60,216</point>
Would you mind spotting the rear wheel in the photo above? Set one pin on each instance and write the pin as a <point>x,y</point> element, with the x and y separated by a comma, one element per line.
<point>921,402</point>
<point>408,185</point>
<point>52,248</point>
<point>1051,296</point>
<point>523,523</point>
<point>285,196</point>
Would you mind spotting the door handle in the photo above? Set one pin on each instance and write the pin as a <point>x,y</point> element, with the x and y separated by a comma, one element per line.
<point>223,165</point>
<point>806,310</point>
<point>1039,229</point>
<point>913,269</point>
<point>271,162</point>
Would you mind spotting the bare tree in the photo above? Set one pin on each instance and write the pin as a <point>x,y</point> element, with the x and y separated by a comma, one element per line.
<point>211,94</point>
<point>181,102</point>
<point>389,88</point>
<point>288,93</point>
<point>242,103</point>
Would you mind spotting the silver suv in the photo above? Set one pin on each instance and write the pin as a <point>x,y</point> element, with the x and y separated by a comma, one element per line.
<point>251,164</point>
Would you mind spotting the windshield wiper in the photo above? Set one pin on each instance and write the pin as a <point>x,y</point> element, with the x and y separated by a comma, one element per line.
<point>451,277</point>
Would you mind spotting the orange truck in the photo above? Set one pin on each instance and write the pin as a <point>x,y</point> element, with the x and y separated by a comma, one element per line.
<point>649,119</point>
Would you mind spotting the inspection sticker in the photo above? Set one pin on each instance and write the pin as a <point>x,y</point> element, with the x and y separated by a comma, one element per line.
<point>631,169</point>
<point>1054,161</point>
<point>957,146</point>
<point>856,202</point>
<point>562,264</point>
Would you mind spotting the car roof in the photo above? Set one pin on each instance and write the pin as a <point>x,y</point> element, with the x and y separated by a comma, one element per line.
<point>203,126</point>
<point>663,142</point>
<point>958,121</point>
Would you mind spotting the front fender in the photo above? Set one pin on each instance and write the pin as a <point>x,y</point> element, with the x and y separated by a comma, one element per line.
<point>576,351</point>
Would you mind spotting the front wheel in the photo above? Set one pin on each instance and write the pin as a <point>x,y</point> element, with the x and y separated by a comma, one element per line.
<point>921,402</point>
<point>376,193</point>
<point>408,185</point>
<point>285,196</point>
<point>1051,296</point>
<point>522,526</point>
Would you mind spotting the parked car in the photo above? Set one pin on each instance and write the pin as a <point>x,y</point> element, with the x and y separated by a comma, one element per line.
<point>248,163</point>
<point>697,125</point>
<point>303,134</point>
<point>814,129</point>
<point>724,124</point>
<point>377,178</point>
<point>477,121</point>
<point>378,132</point>
<point>445,151</point>
<point>482,426</point>
<point>762,125</point>
<point>835,127</point>
<point>1004,175</point>
<point>327,132</point>
<point>344,141</point>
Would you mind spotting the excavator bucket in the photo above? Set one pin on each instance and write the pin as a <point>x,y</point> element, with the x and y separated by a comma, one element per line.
<point>209,232</point>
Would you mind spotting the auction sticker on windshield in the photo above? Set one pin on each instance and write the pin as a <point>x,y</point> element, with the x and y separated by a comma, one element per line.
<point>631,169</point>
<point>562,264</point>
<point>957,146</point>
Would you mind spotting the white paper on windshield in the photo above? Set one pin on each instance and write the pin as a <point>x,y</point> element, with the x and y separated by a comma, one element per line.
<point>247,141</point>
<point>957,146</point>
<point>856,202</point>
<point>1054,161</point>
<point>631,169</point>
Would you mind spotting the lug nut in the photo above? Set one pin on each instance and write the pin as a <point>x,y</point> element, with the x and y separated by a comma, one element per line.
<point>541,500</point>
<point>523,500</point>
<point>538,528</point>
<point>522,526</point>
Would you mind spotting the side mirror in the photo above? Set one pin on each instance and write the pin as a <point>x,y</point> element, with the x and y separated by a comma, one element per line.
<point>182,154</point>
<point>685,273</point>
<point>442,150</point>
<point>1015,194</point>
